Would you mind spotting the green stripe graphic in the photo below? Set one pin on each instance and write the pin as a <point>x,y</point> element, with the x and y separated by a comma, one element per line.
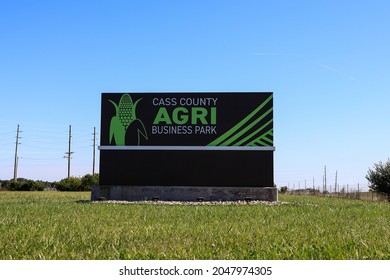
<point>263,138</point>
<point>245,125</point>
<point>254,134</point>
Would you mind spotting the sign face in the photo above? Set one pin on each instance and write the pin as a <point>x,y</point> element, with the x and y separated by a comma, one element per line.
<point>187,121</point>
<point>187,139</point>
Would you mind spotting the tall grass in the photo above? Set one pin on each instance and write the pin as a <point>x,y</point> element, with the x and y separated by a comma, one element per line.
<point>55,225</point>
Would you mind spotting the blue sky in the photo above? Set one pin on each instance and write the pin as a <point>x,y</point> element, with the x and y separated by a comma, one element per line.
<point>327,63</point>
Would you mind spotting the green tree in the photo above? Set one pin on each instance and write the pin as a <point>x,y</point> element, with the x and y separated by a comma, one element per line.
<point>69,184</point>
<point>88,180</point>
<point>84,183</point>
<point>26,185</point>
<point>379,177</point>
<point>283,189</point>
<point>5,185</point>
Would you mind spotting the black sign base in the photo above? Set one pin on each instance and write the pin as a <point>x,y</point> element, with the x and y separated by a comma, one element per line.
<point>186,168</point>
<point>183,193</point>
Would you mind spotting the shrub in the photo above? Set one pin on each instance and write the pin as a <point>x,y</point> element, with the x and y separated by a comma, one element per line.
<point>87,181</point>
<point>84,183</point>
<point>26,185</point>
<point>379,177</point>
<point>69,184</point>
<point>283,189</point>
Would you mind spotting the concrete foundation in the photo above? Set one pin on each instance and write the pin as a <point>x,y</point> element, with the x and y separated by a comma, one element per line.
<point>183,193</point>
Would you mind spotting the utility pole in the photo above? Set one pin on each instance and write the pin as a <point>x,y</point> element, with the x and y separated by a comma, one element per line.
<point>325,179</point>
<point>335,183</point>
<point>69,153</point>
<point>94,150</point>
<point>16,155</point>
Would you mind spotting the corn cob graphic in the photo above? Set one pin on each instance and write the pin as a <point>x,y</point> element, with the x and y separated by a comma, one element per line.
<point>125,116</point>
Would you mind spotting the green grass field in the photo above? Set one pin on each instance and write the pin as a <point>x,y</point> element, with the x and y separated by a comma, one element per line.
<point>57,225</point>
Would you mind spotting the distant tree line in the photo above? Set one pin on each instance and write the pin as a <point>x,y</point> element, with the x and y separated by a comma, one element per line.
<point>84,183</point>
<point>378,177</point>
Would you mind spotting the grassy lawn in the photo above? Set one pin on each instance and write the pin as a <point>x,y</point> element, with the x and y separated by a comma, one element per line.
<point>57,225</point>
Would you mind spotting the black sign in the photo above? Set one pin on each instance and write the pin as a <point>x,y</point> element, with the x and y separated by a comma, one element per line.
<point>187,139</point>
<point>187,120</point>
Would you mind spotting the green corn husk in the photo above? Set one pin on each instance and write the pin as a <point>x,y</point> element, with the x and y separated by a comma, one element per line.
<point>125,115</point>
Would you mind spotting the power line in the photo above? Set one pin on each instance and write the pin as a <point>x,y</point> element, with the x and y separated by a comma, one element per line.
<point>5,133</point>
<point>44,145</point>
